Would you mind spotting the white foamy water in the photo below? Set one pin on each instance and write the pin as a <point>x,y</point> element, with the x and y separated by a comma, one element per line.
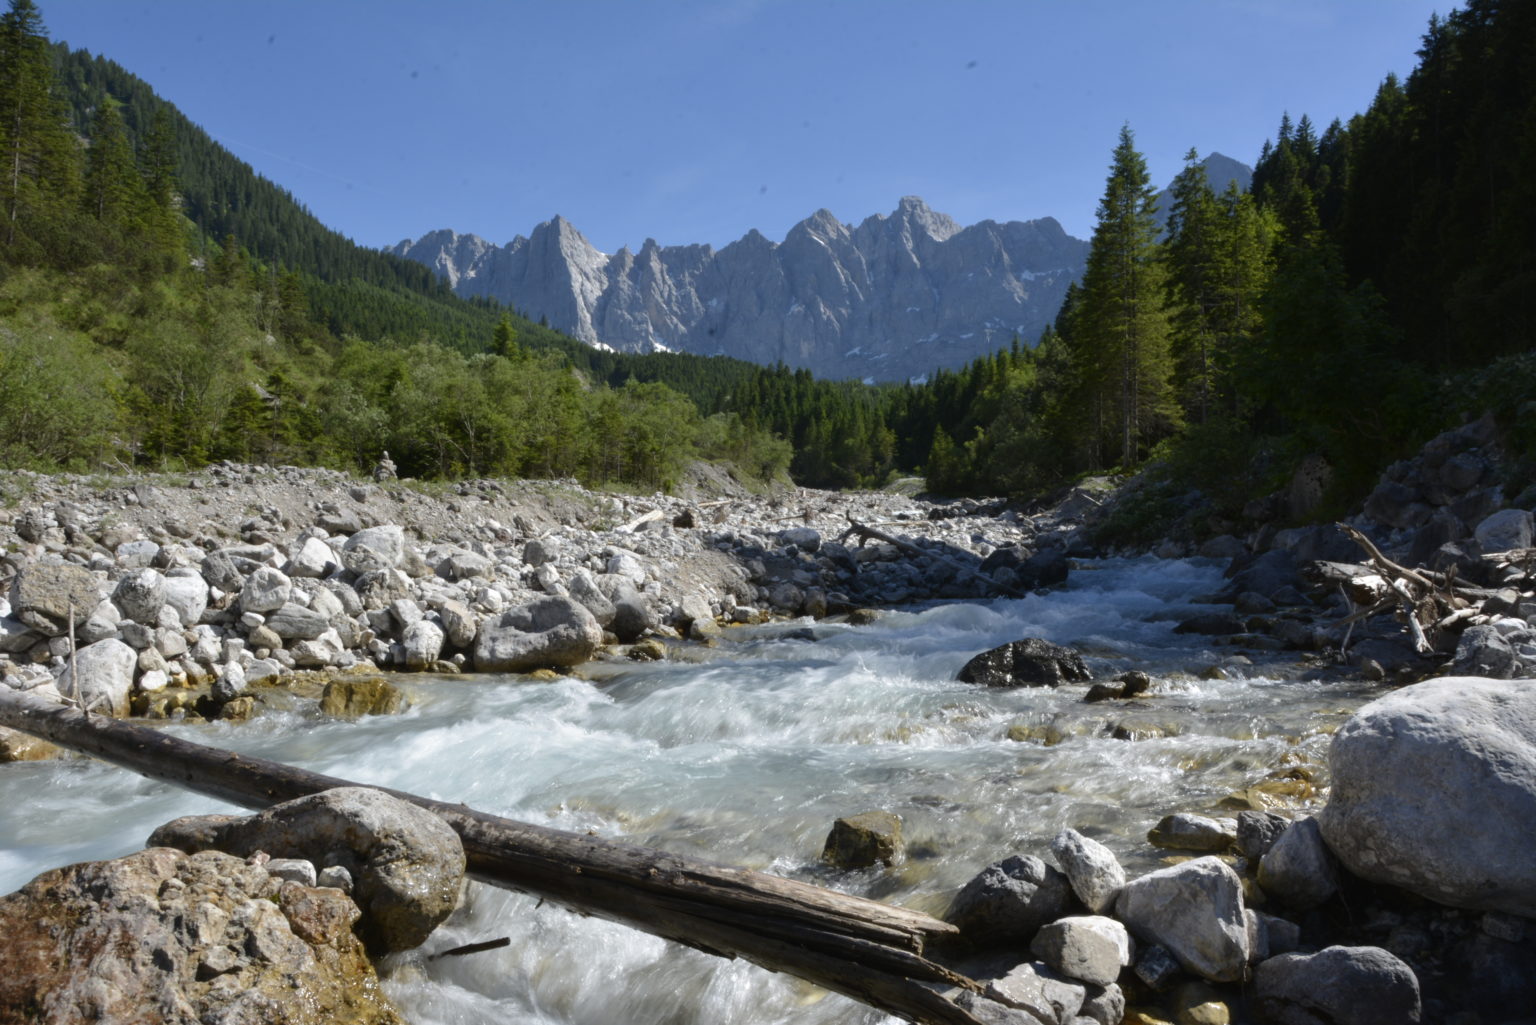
<point>746,757</point>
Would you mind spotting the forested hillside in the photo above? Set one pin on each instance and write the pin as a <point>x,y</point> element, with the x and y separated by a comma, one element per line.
<point>1376,284</point>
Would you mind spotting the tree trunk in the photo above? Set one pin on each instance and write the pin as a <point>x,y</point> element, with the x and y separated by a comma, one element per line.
<point>870,951</point>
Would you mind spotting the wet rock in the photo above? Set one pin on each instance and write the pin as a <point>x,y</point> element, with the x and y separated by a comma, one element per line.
<point>202,940</point>
<point>16,746</point>
<point>1336,986</point>
<point>1092,869</point>
<point>1089,948</point>
<point>549,633</point>
<point>860,841</point>
<point>1187,832</point>
<point>1212,624</point>
<point>1196,1003</point>
<point>1010,900</point>
<point>1195,910</point>
<point>633,617</point>
<point>1298,870</point>
<point>1031,662</point>
<point>407,864</point>
<point>351,697</point>
<point>1434,790</point>
<point>1257,831</point>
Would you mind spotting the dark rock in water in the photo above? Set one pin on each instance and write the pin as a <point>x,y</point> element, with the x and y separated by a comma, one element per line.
<point>860,841</point>
<point>1105,692</point>
<point>1031,662</point>
<point>1339,985</point>
<point>1026,571</point>
<point>1264,574</point>
<point>1213,624</point>
<point>1135,681</point>
<point>1257,831</point>
<point>1009,901</point>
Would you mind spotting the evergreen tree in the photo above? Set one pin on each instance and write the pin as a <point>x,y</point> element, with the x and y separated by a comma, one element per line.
<point>113,190</point>
<point>1119,324</point>
<point>39,164</point>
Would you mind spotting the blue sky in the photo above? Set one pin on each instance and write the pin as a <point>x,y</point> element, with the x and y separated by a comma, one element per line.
<point>696,120</point>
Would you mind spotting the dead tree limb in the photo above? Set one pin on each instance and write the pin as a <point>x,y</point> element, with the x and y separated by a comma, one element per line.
<point>870,951</point>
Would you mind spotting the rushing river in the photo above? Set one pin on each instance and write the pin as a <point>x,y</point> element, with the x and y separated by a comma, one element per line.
<point>746,754</point>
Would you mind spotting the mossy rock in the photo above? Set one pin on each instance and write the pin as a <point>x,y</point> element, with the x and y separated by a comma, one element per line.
<point>21,747</point>
<point>352,698</point>
<point>860,841</point>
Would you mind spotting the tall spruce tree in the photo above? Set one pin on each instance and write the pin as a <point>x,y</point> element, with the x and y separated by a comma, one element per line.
<point>40,170</point>
<point>1119,323</point>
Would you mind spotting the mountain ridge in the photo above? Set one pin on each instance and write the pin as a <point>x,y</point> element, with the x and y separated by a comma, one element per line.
<point>890,298</point>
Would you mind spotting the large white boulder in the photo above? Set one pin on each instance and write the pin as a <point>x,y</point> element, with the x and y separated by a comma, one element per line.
<point>1195,910</point>
<point>549,633</point>
<point>1434,790</point>
<point>104,674</point>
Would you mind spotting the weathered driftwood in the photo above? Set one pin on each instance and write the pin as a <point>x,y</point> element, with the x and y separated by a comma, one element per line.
<point>870,951</point>
<point>1427,602</point>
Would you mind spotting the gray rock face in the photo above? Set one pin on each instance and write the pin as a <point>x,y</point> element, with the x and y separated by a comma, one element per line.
<point>890,299</point>
<point>1195,910</point>
<point>1337,986</point>
<point>187,593</point>
<point>1299,870</point>
<point>1506,529</point>
<point>1091,868</point>
<point>104,672</point>
<point>406,863</point>
<point>264,590</point>
<point>1090,948</point>
<point>162,937</point>
<point>1010,901</point>
<point>1038,990</point>
<point>1031,662</point>
<point>423,643</point>
<point>1434,790</point>
<point>296,623</point>
<point>551,632</point>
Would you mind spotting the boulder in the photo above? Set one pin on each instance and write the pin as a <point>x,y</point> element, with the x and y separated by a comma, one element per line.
<point>294,622</point>
<point>1257,831</point>
<point>1483,651</point>
<point>373,549</point>
<point>1195,911</point>
<point>407,864</point>
<point>160,936</point>
<point>265,590</point>
<point>187,592</point>
<point>1505,529</point>
<point>46,596</point>
<point>1010,900</point>
<point>1089,948</point>
<point>1038,990</point>
<point>459,624</point>
<point>549,633</point>
<point>1336,986</point>
<point>1434,790</point>
<point>633,617</point>
<point>1299,870</point>
<point>422,642</point>
<point>585,590</point>
<point>1091,868</point>
<point>139,595</point>
<point>462,565</point>
<point>313,559</point>
<point>859,841</point>
<point>1031,662</point>
<point>1183,831</point>
<point>104,673</point>
<point>806,539</point>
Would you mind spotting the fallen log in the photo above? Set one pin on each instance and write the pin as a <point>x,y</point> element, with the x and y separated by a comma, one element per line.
<point>870,951</point>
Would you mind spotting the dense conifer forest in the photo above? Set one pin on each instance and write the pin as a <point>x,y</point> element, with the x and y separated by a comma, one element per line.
<point>161,305</point>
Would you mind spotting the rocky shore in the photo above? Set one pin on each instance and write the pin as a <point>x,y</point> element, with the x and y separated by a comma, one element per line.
<point>1406,895</point>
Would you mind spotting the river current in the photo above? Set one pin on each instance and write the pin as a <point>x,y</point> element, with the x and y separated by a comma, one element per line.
<point>745,754</point>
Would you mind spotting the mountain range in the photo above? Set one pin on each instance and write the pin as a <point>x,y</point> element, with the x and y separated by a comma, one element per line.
<point>889,299</point>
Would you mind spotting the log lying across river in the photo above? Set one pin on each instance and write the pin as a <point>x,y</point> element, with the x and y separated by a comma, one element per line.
<point>867,950</point>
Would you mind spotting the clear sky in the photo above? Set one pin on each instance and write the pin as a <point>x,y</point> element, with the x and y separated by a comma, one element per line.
<point>696,120</point>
